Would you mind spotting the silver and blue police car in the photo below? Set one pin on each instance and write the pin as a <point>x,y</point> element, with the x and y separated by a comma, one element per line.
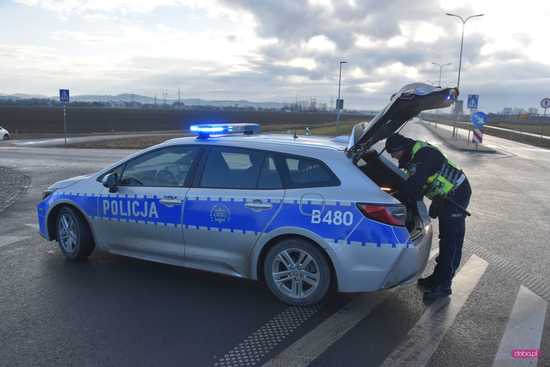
<point>303,214</point>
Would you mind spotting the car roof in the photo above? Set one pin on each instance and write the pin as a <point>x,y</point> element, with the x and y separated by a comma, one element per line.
<point>276,142</point>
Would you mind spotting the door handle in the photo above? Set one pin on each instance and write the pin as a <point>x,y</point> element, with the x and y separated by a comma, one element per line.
<point>258,205</point>
<point>170,201</point>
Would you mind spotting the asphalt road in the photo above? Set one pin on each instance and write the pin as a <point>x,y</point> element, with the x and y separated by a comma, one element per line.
<point>115,311</point>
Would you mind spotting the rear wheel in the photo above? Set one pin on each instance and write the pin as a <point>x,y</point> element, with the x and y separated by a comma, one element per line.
<point>6,137</point>
<point>73,234</point>
<point>297,273</point>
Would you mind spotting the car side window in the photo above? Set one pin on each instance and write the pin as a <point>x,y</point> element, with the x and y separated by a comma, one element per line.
<point>308,172</point>
<point>269,175</point>
<point>166,167</point>
<point>232,168</point>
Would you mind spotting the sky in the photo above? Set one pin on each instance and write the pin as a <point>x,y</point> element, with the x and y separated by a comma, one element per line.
<point>278,51</point>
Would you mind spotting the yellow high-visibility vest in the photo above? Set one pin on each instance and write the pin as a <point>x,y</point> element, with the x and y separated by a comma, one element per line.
<point>441,183</point>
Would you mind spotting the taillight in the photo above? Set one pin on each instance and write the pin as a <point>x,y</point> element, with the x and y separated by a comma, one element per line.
<point>389,214</point>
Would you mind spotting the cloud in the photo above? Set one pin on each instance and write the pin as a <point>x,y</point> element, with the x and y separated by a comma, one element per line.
<point>277,49</point>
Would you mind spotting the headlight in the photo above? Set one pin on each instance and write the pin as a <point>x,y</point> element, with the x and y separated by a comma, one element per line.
<point>47,193</point>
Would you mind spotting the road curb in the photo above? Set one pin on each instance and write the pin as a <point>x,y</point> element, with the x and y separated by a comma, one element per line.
<point>455,144</point>
<point>13,184</point>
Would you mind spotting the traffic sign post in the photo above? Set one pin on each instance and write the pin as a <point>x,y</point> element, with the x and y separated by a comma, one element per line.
<point>64,99</point>
<point>478,119</point>
<point>339,108</point>
<point>545,103</point>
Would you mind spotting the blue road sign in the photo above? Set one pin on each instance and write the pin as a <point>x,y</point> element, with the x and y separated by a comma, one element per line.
<point>64,95</point>
<point>479,119</point>
<point>473,100</point>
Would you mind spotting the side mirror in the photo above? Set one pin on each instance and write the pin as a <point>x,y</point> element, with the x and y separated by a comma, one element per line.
<point>110,181</point>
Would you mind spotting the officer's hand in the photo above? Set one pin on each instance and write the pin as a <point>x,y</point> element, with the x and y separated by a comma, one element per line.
<point>434,209</point>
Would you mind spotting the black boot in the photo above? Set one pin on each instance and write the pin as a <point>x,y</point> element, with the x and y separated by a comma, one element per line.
<point>437,292</point>
<point>428,282</point>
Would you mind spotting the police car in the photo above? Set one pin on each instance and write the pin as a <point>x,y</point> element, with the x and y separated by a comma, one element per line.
<point>303,214</point>
<point>4,134</point>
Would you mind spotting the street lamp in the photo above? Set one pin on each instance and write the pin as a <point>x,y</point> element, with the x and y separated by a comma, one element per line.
<point>441,66</point>
<point>460,57</point>
<point>462,40</point>
<point>339,102</point>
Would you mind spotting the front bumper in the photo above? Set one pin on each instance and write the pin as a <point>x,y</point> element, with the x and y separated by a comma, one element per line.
<point>42,214</point>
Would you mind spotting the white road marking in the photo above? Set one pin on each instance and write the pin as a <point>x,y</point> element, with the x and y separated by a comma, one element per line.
<point>251,350</point>
<point>8,240</point>
<point>313,344</point>
<point>317,341</point>
<point>423,339</point>
<point>524,329</point>
<point>32,225</point>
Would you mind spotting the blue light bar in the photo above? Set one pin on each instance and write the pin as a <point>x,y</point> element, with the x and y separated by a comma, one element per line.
<point>207,129</point>
<point>203,131</point>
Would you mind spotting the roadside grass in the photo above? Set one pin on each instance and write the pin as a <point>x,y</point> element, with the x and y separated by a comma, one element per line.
<point>331,130</point>
<point>509,135</point>
<point>142,142</point>
<point>533,128</point>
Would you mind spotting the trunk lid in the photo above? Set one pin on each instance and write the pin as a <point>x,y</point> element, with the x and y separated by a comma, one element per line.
<point>407,103</point>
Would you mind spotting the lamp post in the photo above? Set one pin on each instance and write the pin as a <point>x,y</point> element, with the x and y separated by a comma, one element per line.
<point>339,104</point>
<point>462,40</point>
<point>461,47</point>
<point>441,66</point>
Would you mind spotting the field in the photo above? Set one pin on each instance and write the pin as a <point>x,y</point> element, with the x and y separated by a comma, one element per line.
<point>142,142</point>
<point>45,121</point>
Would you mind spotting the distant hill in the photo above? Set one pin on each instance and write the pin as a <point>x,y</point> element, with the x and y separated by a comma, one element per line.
<point>17,96</point>
<point>187,101</point>
<point>128,97</point>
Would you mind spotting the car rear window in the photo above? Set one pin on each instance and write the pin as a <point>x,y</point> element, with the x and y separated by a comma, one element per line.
<point>308,172</point>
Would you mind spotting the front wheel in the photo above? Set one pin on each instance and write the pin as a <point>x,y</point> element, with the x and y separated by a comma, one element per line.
<point>6,137</point>
<point>73,234</point>
<point>297,273</point>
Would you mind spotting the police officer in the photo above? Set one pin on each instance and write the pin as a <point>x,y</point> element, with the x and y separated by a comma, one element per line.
<point>431,174</point>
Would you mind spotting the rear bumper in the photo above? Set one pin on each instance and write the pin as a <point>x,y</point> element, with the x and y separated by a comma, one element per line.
<point>411,263</point>
<point>369,268</point>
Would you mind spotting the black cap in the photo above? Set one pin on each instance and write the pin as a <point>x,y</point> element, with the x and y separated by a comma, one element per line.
<point>396,142</point>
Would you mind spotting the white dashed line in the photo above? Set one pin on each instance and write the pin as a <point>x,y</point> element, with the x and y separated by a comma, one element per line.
<point>429,329</point>
<point>524,330</point>
<point>423,339</point>
<point>313,344</point>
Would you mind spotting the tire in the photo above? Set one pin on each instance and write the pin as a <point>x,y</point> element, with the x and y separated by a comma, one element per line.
<point>6,137</point>
<point>73,234</point>
<point>311,275</point>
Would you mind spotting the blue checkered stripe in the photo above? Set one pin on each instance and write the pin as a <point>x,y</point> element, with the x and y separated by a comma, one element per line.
<point>224,214</point>
<point>360,231</point>
<point>231,215</point>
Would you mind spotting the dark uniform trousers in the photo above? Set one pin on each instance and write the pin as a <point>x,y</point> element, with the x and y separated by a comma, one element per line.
<point>452,228</point>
